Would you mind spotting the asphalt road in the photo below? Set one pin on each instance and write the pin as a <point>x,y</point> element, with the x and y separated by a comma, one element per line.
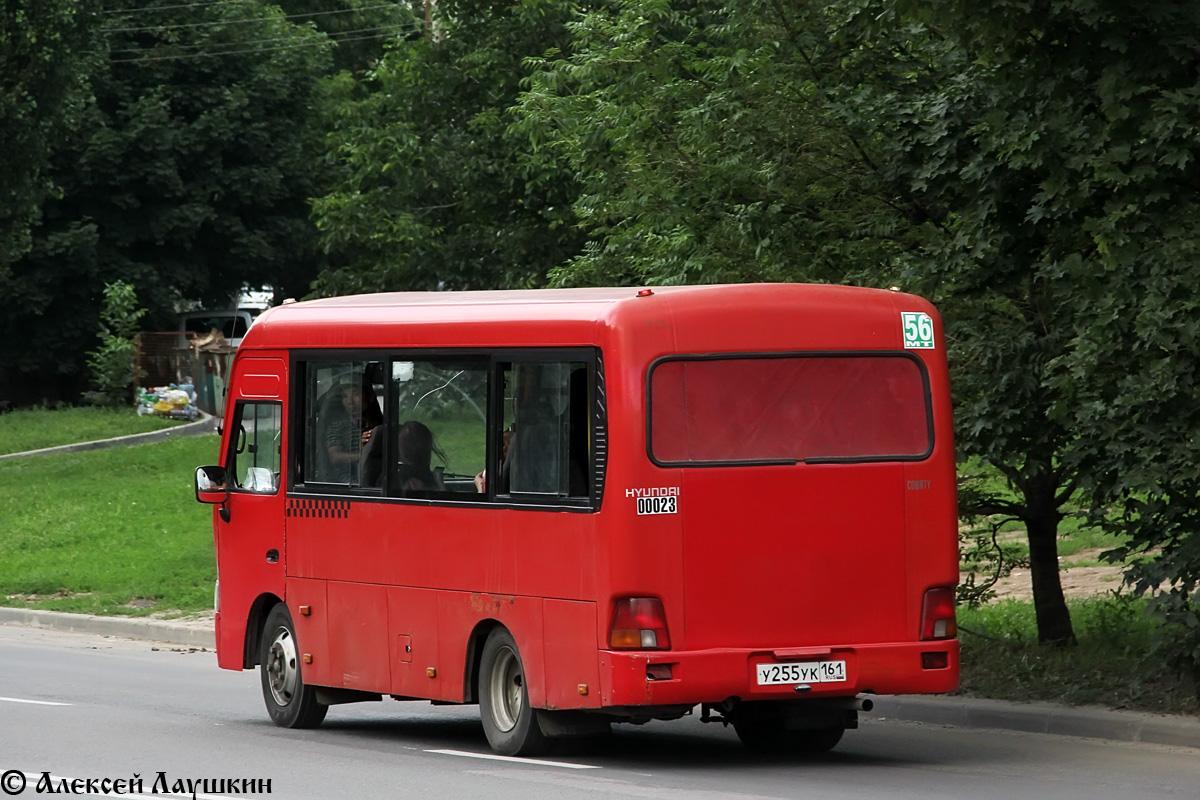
<point>108,708</point>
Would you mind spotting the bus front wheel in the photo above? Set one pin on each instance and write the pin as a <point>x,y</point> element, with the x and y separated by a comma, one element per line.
<point>290,702</point>
<point>509,721</point>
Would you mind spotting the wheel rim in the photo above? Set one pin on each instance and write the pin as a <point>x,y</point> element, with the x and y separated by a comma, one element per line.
<point>283,674</point>
<point>506,686</point>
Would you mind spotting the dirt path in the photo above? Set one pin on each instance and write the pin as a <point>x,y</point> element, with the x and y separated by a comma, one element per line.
<point>1076,581</point>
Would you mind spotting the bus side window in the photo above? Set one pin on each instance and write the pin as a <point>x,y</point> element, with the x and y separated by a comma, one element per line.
<point>341,405</point>
<point>255,448</point>
<point>551,437</point>
<point>438,426</point>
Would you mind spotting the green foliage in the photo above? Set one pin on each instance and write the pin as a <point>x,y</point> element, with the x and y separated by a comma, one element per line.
<point>187,175</point>
<point>1050,143</point>
<point>112,364</point>
<point>1115,663</point>
<point>114,531</point>
<point>434,189</point>
<point>43,66</point>
<point>704,137</point>
<point>360,29</point>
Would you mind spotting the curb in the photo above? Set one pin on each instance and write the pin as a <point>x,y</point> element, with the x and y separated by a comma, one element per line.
<point>151,630</point>
<point>205,424</point>
<point>1048,718</point>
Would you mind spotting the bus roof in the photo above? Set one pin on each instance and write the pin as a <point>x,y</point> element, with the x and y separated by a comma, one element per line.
<point>554,316</point>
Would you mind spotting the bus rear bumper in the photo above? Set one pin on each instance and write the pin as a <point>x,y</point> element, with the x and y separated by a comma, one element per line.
<point>647,678</point>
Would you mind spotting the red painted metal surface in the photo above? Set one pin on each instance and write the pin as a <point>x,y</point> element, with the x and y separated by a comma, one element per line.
<point>756,561</point>
<point>256,521</point>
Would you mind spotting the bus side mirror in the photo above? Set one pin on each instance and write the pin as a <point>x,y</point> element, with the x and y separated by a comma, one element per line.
<point>211,488</point>
<point>210,485</point>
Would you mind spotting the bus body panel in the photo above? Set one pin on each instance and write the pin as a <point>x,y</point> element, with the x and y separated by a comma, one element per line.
<point>250,547</point>
<point>406,544</point>
<point>758,563</point>
<point>359,647</point>
<point>571,646</point>
<point>413,630</point>
<point>312,629</point>
<point>799,561</point>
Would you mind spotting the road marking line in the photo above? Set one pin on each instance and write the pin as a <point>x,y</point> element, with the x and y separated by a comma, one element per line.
<point>32,702</point>
<point>513,759</point>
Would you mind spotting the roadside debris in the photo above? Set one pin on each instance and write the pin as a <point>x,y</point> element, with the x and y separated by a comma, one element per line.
<point>176,402</point>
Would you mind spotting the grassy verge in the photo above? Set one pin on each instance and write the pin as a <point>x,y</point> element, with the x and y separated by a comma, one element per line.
<point>115,531</point>
<point>1113,664</point>
<point>33,429</point>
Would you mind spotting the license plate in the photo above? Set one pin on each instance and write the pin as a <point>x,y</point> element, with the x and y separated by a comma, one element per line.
<point>801,672</point>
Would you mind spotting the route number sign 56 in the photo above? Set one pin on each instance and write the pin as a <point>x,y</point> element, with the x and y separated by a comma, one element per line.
<point>918,330</point>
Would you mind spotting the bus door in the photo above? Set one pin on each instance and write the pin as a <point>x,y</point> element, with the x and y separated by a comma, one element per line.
<point>249,530</point>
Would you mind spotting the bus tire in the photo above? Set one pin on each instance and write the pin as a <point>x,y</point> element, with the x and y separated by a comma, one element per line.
<point>509,722</point>
<point>290,701</point>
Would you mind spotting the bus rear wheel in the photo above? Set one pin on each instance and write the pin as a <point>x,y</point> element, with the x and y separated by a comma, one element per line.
<point>509,722</point>
<point>290,702</point>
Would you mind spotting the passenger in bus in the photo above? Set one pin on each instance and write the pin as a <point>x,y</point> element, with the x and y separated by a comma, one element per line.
<point>346,432</point>
<point>415,449</point>
<point>481,478</point>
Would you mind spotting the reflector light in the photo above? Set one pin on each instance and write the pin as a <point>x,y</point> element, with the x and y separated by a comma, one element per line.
<point>639,623</point>
<point>937,614</point>
<point>939,660</point>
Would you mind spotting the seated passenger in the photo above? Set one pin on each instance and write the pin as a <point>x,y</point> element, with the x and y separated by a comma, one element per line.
<point>481,478</point>
<point>345,433</point>
<point>414,452</point>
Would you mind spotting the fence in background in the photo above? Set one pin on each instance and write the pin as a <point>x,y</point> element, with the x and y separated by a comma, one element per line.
<point>167,357</point>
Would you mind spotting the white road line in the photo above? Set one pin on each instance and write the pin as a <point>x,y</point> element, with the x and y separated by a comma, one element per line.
<point>32,702</point>
<point>513,759</point>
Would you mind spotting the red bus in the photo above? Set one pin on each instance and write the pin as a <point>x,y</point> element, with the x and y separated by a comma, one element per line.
<point>584,506</point>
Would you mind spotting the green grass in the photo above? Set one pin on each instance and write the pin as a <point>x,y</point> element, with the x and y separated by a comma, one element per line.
<point>1113,665</point>
<point>33,429</point>
<point>114,531</point>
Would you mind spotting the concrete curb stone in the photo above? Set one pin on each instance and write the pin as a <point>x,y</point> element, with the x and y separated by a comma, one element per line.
<point>205,424</point>
<point>1048,718</point>
<point>152,630</point>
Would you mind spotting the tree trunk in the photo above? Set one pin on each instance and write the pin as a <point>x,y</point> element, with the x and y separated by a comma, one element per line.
<point>1053,618</point>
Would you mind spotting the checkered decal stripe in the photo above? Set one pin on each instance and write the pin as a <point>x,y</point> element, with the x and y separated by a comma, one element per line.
<point>337,509</point>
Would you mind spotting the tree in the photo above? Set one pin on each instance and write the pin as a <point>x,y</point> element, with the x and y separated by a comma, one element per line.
<point>112,363</point>
<point>1053,142</point>
<point>707,147</point>
<point>187,176</point>
<point>360,29</point>
<point>43,65</point>
<point>435,190</point>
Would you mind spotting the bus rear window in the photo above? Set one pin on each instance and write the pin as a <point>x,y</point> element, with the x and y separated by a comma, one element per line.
<point>789,408</point>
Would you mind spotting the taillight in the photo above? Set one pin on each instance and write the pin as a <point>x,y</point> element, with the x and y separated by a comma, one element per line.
<point>937,614</point>
<point>639,623</point>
